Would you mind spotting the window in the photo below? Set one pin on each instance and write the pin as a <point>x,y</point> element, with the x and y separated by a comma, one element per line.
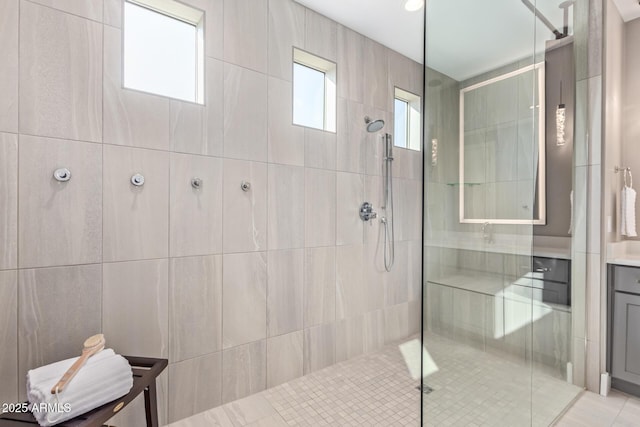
<point>314,91</point>
<point>164,49</point>
<point>406,120</point>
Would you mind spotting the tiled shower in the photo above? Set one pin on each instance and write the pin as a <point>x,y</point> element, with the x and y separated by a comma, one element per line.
<point>240,290</point>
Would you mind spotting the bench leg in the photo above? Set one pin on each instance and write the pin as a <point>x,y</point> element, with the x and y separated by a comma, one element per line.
<point>151,405</point>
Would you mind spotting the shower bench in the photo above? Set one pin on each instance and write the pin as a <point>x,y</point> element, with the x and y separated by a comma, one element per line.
<point>145,372</point>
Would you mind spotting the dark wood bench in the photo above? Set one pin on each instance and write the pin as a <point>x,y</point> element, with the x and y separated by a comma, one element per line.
<point>145,372</point>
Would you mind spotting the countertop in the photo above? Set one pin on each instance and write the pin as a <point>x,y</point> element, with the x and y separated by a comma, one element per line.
<point>624,253</point>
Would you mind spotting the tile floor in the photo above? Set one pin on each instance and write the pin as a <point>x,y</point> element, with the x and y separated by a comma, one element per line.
<point>471,388</point>
<point>593,410</point>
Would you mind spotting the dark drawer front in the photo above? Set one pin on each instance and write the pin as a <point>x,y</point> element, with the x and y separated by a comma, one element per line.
<point>553,292</point>
<point>626,279</point>
<point>553,269</point>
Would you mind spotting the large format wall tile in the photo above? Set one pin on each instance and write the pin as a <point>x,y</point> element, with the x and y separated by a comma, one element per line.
<point>415,317</point>
<point>319,286</point>
<point>131,118</point>
<point>195,213</point>
<point>61,74</point>
<point>195,306</point>
<point>286,30</point>
<point>245,33</point>
<point>198,129</point>
<point>244,370</point>
<point>195,385</point>
<point>9,66</point>
<point>350,289</point>
<point>284,358</point>
<point>285,277</point>
<point>9,336</point>
<point>244,212</point>
<point>51,300</point>
<point>320,208</point>
<point>374,274</point>
<point>135,307</point>
<point>112,13</point>
<point>319,347</point>
<point>373,331</point>
<point>375,75</point>
<point>319,149</point>
<point>403,73</point>
<point>286,207</point>
<point>351,137</point>
<point>60,222</point>
<point>245,114</point>
<point>396,322</point>
<point>244,298</point>
<point>350,58</point>
<point>321,37</point>
<point>136,219</point>
<point>8,201</point>
<point>350,193</point>
<point>349,338</point>
<point>286,140</point>
<point>396,285</point>
<point>133,415</point>
<point>90,9</point>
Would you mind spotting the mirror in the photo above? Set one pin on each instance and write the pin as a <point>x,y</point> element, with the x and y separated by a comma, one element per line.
<point>502,148</point>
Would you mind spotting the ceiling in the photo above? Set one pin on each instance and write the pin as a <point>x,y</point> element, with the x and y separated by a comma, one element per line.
<point>385,21</point>
<point>629,9</point>
<point>465,37</point>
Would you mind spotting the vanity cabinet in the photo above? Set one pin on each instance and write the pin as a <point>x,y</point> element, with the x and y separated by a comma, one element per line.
<point>625,343</point>
<point>552,277</point>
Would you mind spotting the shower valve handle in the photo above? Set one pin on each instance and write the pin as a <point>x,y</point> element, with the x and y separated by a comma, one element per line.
<point>366,212</point>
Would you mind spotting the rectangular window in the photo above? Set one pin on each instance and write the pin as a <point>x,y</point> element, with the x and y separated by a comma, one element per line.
<point>308,89</point>
<point>314,91</point>
<point>164,49</point>
<point>406,120</point>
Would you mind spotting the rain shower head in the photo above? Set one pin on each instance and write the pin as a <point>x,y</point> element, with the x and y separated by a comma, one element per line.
<point>373,125</point>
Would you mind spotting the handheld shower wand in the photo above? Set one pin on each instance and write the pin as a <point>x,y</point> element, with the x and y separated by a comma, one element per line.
<point>389,236</point>
<point>387,220</point>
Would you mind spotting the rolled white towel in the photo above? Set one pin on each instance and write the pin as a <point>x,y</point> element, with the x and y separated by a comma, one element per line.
<point>570,213</point>
<point>105,377</point>
<point>628,212</point>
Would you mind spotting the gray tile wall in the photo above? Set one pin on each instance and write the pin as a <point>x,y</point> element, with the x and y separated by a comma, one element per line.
<point>241,290</point>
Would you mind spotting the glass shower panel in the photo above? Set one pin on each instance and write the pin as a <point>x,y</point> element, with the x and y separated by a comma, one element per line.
<point>484,310</point>
<point>497,256</point>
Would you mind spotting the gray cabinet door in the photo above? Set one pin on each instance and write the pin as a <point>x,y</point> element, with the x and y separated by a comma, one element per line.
<point>626,338</point>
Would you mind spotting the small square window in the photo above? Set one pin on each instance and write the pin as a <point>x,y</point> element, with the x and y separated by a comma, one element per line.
<point>314,91</point>
<point>406,120</point>
<point>164,49</point>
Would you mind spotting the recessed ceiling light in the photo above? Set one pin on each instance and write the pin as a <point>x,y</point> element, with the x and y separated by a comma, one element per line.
<point>413,5</point>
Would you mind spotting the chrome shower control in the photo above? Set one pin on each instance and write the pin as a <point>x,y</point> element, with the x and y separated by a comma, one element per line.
<point>366,212</point>
<point>62,175</point>
<point>137,180</point>
<point>196,183</point>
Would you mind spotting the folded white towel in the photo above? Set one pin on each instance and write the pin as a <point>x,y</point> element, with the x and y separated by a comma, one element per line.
<point>105,377</point>
<point>570,213</point>
<point>628,212</point>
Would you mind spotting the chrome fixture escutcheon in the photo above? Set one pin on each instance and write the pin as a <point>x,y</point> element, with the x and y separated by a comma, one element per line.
<point>137,180</point>
<point>62,174</point>
<point>196,183</point>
